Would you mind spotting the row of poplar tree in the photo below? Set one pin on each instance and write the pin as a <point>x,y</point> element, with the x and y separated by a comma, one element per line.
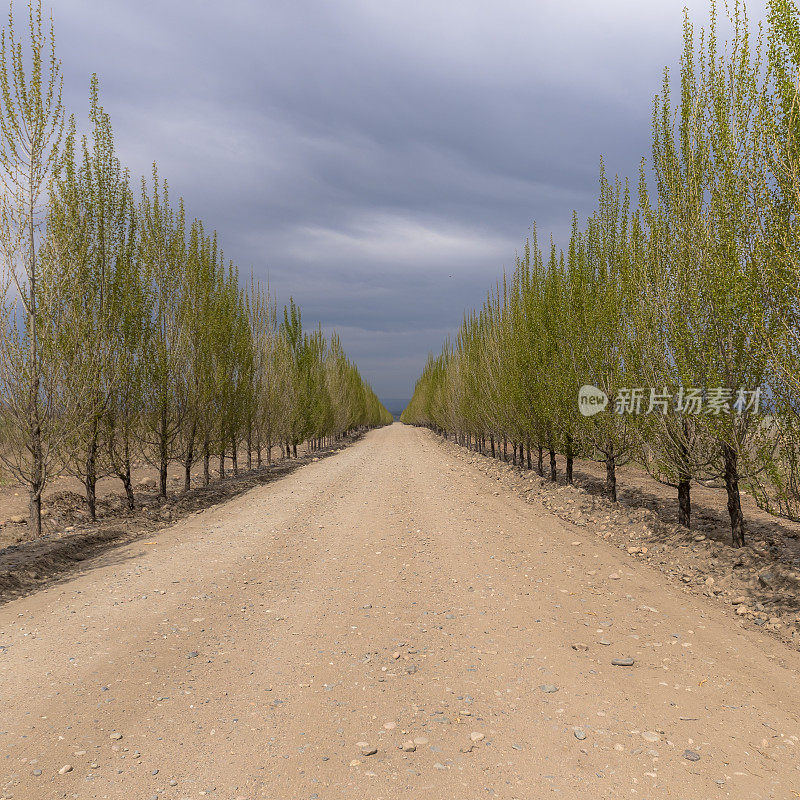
<point>681,305</point>
<point>125,334</point>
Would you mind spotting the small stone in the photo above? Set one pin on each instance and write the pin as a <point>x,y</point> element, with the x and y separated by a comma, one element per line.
<point>173,782</point>
<point>389,726</point>
<point>622,662</point>
<point>420,740</point>
<point>116,736</point>
<point>580,646</point>
<point>651,736</point>
<point>438,765</point>
<point>614,576</point>
<point>742,610</point>
<point>369,751</point>
<point>37,772</point>
<point>355,762</point>
<point>549,688</point>
<point>65,769</point>
<point>738,600</point>
<point>690,755</point>
<point>604,642</point>
<point>409,747</point>
<point>579,733</point>
<point>476,736</point>
<point>766,579</point>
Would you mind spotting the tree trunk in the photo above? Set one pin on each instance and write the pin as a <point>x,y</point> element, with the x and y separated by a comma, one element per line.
<point>514,448</point>
<point>234,458</point>
<point>90,478</point>
<point>528,452</point>
<point>491,442</point>
<point>249,447</point>
<point>187,467</point>
<point>35,514</point>
<point>206,461</point>
<point>611,474</point>
<point>222,461</point>
<point>505,450</point>
<point>162,477</point>
<point>36,486</point>
<point>163,463</point>
<point>540,463</point>
<point>684,502</point>
<point>553,470</point>
<point>731,459</point>
<point>294,449</point>
<point>189,460</point>
<point>570,458</point>
<point>125,477</point>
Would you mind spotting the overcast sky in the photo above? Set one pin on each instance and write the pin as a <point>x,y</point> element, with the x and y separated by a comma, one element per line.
<point>380,161</point>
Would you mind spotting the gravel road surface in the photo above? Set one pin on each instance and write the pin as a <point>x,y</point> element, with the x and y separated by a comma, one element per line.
<point>386,623</point>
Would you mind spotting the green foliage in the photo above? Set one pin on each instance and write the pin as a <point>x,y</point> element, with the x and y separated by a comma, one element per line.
<point>123,334</point>
<point>698,287</point>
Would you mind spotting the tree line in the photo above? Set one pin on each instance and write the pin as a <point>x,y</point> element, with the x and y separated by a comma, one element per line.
<point>678,303</point>
<point>125,332</point>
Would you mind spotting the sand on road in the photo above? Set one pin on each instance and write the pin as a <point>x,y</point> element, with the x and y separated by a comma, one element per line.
<point>289,643</point>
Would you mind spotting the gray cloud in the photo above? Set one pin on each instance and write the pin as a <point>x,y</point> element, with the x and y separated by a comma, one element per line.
<point>380,161</point>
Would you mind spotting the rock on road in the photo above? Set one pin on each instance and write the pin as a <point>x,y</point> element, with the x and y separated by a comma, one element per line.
<point>385,623</point>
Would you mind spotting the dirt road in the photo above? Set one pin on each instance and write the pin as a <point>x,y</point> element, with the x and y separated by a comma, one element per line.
<point>389,594</point>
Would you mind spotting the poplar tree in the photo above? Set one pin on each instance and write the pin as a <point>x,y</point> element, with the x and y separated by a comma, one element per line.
<point>91,202</point>
<point>161,246</point>
<point>708,164</point>
<point>133,326</point>
<point>39,401</point>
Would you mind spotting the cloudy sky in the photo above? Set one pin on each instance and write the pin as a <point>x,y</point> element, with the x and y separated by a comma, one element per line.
<point>381,161</point>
